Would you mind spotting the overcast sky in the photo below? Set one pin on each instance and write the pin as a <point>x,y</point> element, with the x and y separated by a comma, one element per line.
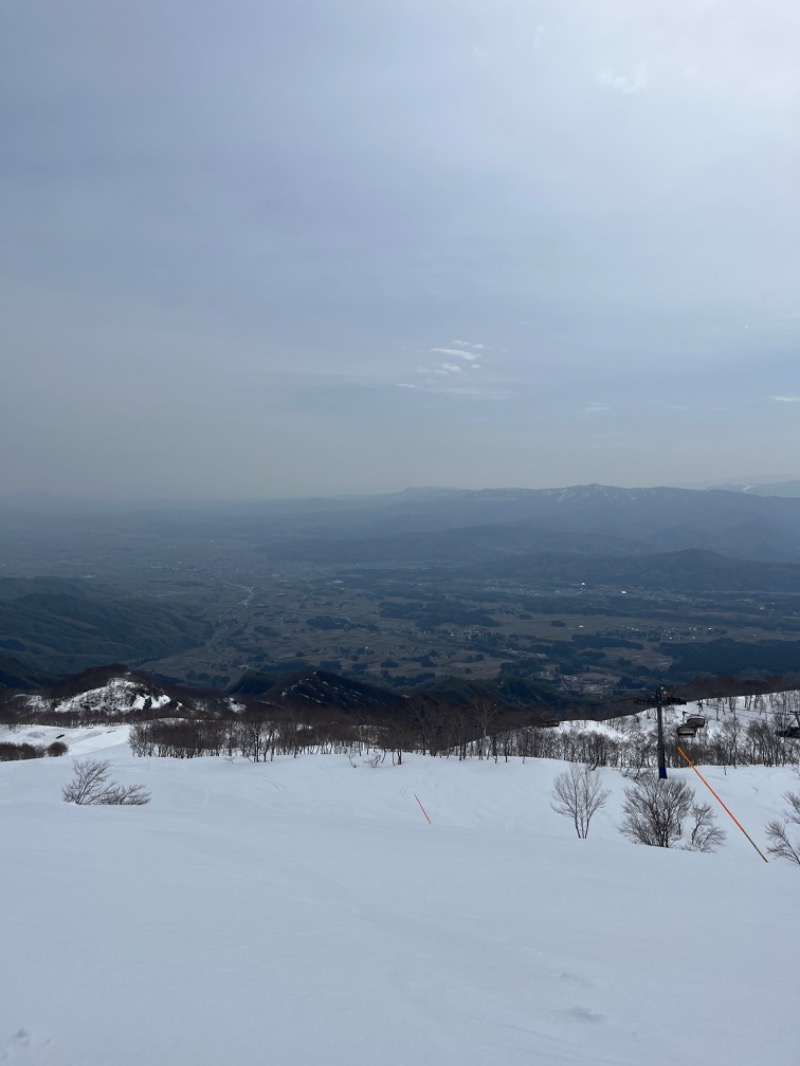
<point>255,248</point>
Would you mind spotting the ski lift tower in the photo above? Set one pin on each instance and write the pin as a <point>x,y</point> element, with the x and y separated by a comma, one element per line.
<point>661,699</point>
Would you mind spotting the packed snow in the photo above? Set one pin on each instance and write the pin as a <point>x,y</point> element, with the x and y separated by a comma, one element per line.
<point>304,911</point>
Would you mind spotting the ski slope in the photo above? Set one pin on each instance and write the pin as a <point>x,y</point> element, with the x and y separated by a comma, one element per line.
<point>303,911</point>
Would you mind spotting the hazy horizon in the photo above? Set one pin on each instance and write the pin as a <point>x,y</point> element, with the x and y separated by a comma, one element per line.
<point>39,500</point>
<point>255,251</point>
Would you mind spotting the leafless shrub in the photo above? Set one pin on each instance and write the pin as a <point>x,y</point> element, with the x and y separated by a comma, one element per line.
<point>578,794</point>
<point>780,843</point>
<point>655,811</point>
<point>89,781</point>
<point>704,835</point>
<point>125,796</point>
<point>90,785</point>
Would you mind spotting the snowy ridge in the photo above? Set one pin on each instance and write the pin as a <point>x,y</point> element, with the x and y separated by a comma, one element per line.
<point>118,696</point>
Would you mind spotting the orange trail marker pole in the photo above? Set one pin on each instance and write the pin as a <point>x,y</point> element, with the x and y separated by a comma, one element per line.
<point>719,801</point>
<point>416,797</point>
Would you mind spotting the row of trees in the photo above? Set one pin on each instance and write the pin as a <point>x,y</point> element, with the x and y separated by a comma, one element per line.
<point>736,741</point>
<point>261,734</point>
<point>254,736</point>
<point>10,752</point>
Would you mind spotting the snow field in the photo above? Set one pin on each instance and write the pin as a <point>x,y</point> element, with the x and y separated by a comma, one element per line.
<point>303,911</point>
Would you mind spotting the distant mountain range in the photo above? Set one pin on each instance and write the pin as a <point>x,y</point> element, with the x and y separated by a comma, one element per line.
<point>463,526</point>
<point>749,522</point>
<point>758,486</point>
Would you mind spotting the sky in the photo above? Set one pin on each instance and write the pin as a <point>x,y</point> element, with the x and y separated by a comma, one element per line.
<point>260,249</point>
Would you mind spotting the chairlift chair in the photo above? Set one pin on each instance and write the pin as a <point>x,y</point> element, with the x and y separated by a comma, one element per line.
<point>685,730</point>
<point>696,721</point>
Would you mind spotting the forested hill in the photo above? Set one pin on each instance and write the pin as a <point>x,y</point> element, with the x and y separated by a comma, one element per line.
<point>58,627</point>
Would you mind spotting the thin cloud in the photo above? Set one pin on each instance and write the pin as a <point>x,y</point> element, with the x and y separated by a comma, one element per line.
<point>442,374</point>
<point>635,82</point>
<point>458,353</point>
<point>464,357</point>
<point>596,408</point>
<point>472,392</point>
<point>445,385</point>
<point>786,399</point>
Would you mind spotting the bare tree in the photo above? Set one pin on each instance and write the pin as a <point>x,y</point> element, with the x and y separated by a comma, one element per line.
<point>90,778</point>
<point>640,751</point>
<point>578,794</point>
<point>141,740</point>
<point>730,738</point>
<point>780,844</point>
<point>484,712</point>
<point>704,835</point>
<point>252,736</point>
<point>655,811</point>
<point>90,785</point>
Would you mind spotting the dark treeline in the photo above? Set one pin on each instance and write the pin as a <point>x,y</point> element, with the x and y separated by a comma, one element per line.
<point>10,752</point>
<point>262,732</point>
<point>740,731</point>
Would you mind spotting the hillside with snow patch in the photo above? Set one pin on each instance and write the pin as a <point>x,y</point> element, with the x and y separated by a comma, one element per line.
<point>117,696</point>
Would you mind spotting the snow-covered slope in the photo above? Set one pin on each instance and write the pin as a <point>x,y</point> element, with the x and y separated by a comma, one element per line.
<point>303,911</point>
<point>117,696</point>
